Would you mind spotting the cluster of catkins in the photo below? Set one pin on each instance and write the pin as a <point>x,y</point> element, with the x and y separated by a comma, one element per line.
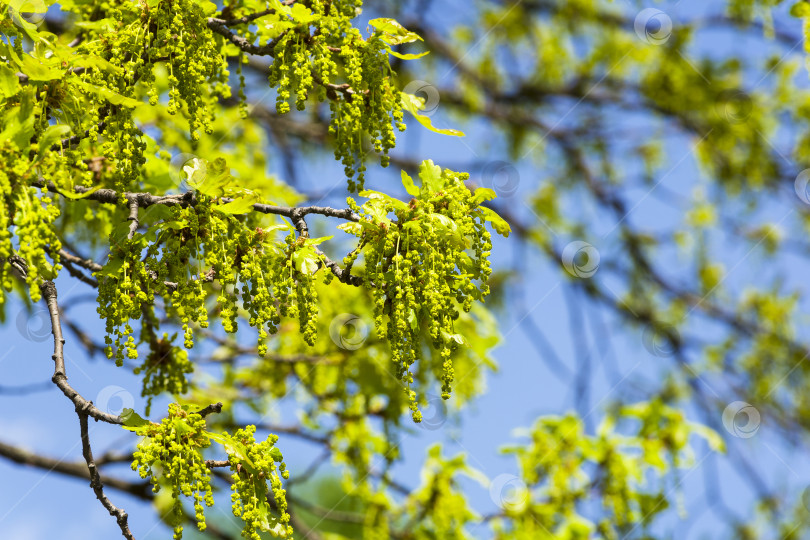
<point>30,215</point>
<point>362,103</point>
<point>164,369</point>
<point>250,474</point>
<point>171,453</point>
<point>123,50</point>
<point>254,272</point>
<point>423,266</point>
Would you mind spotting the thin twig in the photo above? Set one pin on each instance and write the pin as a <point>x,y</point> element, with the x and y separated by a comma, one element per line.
<point>95,480</point>
<point>133,218</point>
<point>59,376</point>
<point>145,200</point>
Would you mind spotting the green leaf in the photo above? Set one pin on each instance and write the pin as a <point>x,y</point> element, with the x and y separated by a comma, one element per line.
<point>272,29</point>
<point>316,241</point>
<point>96,62</point>
<point>73,195</point>
<point>414,104</point>
<point>306,260</point>
<point>175,224</point>
<point>457,338</point>
<point>301,14</point>
<point>109,95</point>
<point>268,522</point>
<point>431,176</point>
<point>39,71</point>
<point>28,6</point>
<point>208,8</point>
<point>132,420</point>
<point>447,230</point>
<point>279,7</point>
<point>483,194</point>
<point>158,212</point>
<point>195,172</point>
<point>498,223</point>
<point>394,33</point>
<point>217,178</point>
<point>410,187</point>
<point>425,121</point>
<point>241,205</point>
<point>181,427</point>
<point>101,25</point>
<point>376,195</point>
<point>19,121</point>
<point>52,135</point>
<point>413,320</point>
<point>372,226</point>
<point>444,224</point>
<point>403,56</point>
<point>9,82</point>
<point>208,177</point>
<point>221,438</point>
<point>351,228</point>
<point>112,268</point>
<point>233,448</point>
<point>377,209</point>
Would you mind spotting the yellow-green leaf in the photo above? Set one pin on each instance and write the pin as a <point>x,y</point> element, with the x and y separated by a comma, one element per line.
<point>498,223</point>
<point>410,187</point>
<point>51,136</point>
<point>240,205</point>
<point>75,195</point>
<point>109,95</point>
<point>413,104</point>
<point>9,82</point>
<point>394,33</point>
<point>402,56</point>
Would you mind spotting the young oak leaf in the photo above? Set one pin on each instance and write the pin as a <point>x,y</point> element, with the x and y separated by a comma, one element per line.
<point>413,104</point>
<point>392,32</point>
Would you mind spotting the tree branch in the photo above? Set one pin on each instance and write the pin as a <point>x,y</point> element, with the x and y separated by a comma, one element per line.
<point>210,409</point>
<point>95,479</point>
<point>84,408</point>
<point>142,490</point>
<point>60,379</point>
<point>144,200</point>
<point>220,26</point>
